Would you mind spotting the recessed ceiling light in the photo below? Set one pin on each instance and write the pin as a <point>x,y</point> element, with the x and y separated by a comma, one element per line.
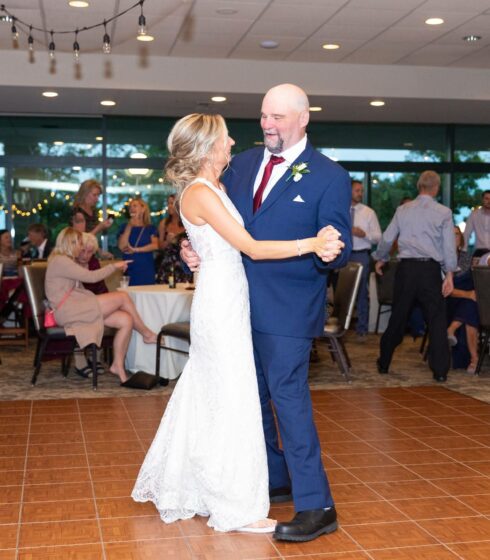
<point>315,109</point>
<point>99,138</point>
<point>218,99</point>
<point>6,19</point>
<point>108,103</point>
<point>145,38</point>
<point>330,46</point>
<point>78,4</point>
<point>471,38</point>
<point>434,21</point>
<point>377,103</point>
<point>58,143</point>
<point>269,44</point>
<point>226,11</point>
<point>138,155</point>
<point>50,94</point>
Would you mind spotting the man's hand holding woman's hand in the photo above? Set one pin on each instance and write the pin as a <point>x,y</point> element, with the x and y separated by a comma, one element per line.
<point>328,246</point>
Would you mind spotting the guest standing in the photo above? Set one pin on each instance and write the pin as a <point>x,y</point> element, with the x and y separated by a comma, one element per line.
<point>85,203</point>
<point>137,240</point>
<point>426,246</point>
<point>365,233</point>
<point>479,222</point>
<point>171,231</point>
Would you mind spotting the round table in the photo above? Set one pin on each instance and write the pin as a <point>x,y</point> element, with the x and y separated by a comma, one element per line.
<point>159,305</point>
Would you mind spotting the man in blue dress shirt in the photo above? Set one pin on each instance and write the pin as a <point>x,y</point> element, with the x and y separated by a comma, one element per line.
<point>427,252</point>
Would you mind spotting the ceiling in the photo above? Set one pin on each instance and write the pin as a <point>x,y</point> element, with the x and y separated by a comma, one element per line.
<point>388,34</point>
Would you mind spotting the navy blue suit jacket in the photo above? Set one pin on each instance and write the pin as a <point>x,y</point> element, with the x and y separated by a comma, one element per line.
<point>287,296</point>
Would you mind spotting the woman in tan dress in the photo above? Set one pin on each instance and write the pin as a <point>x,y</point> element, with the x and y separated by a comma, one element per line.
<point>84,314</point>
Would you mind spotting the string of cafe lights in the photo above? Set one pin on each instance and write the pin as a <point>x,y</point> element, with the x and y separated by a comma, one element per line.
<point>40,206</point>
<point>18,24</point>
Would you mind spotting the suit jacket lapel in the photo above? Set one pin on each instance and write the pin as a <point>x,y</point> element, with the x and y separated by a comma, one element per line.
<point>249,189</point>
<point>283,185</point>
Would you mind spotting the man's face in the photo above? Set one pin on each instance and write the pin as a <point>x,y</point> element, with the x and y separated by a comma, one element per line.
<point>35,238</point>
<point>357,190</point>
<point>486,201</point>
<point>283,126</point>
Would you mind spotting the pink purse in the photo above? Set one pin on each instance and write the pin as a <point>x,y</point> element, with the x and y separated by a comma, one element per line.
<point>49,320</point>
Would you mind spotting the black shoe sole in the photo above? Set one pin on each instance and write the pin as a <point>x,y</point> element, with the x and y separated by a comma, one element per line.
<point>281,499</point>
<point>304,538</point>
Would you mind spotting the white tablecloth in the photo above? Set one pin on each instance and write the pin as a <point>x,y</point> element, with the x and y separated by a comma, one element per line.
<point>159,305</point>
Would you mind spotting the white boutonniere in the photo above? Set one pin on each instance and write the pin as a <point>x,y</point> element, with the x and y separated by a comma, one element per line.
<point>297,171</point>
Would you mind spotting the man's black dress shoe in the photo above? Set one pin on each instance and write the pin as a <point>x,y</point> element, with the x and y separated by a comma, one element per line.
<point>440,378</point>
<point>307,525</point>
<point>279,495</point>
<point>381,369</point>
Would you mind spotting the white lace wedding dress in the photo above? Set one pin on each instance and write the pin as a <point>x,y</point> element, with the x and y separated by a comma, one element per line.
<point>208,456</point>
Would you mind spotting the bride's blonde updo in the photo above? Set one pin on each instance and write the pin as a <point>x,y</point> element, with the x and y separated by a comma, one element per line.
<point>190,142</point>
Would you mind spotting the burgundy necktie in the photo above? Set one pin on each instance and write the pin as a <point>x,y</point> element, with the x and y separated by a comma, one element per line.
<point>275,160</point>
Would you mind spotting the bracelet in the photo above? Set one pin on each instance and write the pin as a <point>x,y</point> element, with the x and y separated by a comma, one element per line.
<point>298,245</point>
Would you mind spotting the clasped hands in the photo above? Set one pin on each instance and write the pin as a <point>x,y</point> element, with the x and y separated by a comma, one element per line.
<point>330,245</point>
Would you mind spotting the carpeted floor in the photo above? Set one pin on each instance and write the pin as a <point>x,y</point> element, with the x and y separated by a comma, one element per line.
<point>408,370</point>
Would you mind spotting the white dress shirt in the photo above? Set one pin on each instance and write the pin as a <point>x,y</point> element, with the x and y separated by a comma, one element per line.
<point>40,249</point>
<point>366,219</point>
<point>290,155</point>
<point>478,222</point>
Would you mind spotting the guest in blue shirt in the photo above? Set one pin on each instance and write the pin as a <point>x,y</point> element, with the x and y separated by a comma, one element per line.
<point>137,240</point>
<point>426,249</point>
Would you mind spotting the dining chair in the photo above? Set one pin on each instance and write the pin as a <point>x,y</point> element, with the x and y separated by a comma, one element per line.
<point>182,331</point>
<point>339,321</point>
<point>53,342</point>
<point>481,279</point>
<point>384,289</point>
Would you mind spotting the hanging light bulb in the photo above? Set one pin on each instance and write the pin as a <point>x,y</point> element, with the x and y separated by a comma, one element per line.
<point>15,33</point>
<point>142,22</point>
<point>106,46</point>
<point>30,40</point>
<point>76,48</point>
<point>52,47</point>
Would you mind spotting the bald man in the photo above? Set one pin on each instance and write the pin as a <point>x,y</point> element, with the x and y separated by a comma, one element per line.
<point>288,190</point>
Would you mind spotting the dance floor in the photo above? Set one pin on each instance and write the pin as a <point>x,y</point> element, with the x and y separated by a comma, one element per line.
<point>409,468</point>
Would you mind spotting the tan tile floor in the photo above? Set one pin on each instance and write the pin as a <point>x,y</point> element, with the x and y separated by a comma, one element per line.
<point>409,468</point>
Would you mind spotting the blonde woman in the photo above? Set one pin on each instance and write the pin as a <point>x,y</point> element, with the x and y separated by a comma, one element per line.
<point>137,240</point>
<point>208,457</point>
<point>85,203</point>
<point>84,314</point>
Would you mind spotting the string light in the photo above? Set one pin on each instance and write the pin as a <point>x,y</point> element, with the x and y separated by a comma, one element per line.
<point>76,48</point>
<point>142,22</point>
<point>52,47</point>
<point>30,40</point>
<point>106,42</point>
<point>106,46</point>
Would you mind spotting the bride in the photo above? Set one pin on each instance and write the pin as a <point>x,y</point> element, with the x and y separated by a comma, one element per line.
<point>208,457</point>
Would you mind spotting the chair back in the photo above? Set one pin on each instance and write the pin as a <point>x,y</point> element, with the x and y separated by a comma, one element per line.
<point>346,293</point>
<point>385,284</point>
<point>481,279</point>
<point>34,276</point>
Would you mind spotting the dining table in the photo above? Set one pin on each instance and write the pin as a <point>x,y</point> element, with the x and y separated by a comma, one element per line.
<point>159,305</point>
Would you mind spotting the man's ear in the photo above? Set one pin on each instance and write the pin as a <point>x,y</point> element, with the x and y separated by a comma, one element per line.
<point>304,118</point>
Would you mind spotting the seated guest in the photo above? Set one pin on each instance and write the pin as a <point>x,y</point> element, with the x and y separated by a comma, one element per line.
<point>463,311</point>
<point>38,246</point>
<point>84,314</point>
<point>137,240</point>
<point>88,260</point>
<point>9,257</point>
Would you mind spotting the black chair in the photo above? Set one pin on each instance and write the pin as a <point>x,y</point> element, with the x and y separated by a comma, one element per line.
<point>481,279</point>
<point>384,289</point>
<point>339,320</point>
<point>52,342</point>
<point>181,331</point>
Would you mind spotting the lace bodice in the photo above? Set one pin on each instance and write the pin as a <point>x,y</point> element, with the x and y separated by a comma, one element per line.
<point>208,244</point>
